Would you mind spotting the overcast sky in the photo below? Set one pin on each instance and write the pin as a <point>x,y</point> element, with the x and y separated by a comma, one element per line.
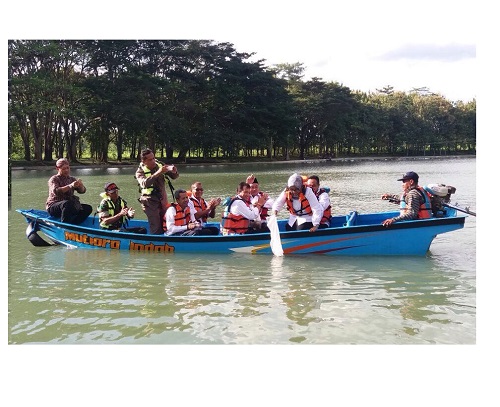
<point>364,45</point>
<point>369,45</point>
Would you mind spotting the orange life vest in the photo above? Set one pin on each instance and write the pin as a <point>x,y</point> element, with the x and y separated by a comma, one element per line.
<point>425,210</point>
<point>182,216</point>
<point>305,206</point>
<point>234,223</point>
<point>327,213</point>
<point>199,206</point>
<point>263,211</point>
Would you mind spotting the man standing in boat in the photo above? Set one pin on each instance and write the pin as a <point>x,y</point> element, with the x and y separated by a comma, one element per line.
<point>415,202</point>
<point>151,176</point>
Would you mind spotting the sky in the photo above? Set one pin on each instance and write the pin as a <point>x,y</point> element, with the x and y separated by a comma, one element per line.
<point>364,45</point>
<point>396,46</point>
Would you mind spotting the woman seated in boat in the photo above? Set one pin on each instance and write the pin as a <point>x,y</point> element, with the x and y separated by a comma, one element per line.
<point>180,219</point>
<point>241,216</point>
<point>415,202</point>
<point>114,212</point>
<point>305,210</point>
<point>62,201</point>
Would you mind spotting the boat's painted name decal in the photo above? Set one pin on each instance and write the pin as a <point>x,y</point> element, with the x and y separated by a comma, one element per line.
<point>150,247</point>
<point>115,243</point>
<point>92,241</point>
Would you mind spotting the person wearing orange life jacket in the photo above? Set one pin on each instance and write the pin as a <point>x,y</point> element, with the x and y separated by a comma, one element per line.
<point>255,192</point>
<point>415,202</point>
<point>179,218</point>
<point>305,210</point>
<point>323,198</point>
<point>203,210</point>
<point>240,214</point>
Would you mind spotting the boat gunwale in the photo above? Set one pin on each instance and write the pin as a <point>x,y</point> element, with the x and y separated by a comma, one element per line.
<point>304,234</point>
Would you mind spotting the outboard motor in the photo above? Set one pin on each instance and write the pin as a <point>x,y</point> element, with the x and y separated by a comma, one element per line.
<point>440,194</point>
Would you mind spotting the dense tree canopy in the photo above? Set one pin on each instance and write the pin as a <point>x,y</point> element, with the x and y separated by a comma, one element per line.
<point>189,99</point>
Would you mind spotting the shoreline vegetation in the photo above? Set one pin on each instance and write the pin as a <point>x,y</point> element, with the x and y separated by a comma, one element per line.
<point>200,100</point>
<point>89,163</point>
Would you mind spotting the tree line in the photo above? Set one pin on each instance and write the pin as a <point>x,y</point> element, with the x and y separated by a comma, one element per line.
<point>198,99</point>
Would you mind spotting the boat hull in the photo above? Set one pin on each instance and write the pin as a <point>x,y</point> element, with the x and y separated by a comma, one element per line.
<point>358,235</point>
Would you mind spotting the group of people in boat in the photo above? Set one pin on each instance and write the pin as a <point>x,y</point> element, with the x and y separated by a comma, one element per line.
<point>307,202</point>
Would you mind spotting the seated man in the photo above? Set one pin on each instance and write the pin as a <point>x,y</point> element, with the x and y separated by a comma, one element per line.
<point>114,212</point>
<point>240,215</point>
<point>62,201</point>
<point>415,202</point>
<point>180,219</point>
<point>255,192</point>
<point>203,210</point>
<point>305,210</point>
<point>323,199</point>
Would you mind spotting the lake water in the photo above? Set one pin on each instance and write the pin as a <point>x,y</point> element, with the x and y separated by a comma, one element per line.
<point>62,296</point>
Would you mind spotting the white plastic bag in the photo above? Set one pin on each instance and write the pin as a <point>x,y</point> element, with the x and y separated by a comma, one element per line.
<point>272,224</point>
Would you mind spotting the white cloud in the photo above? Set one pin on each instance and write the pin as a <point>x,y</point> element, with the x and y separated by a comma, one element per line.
<point>364,45</point>
<point>431,52</point>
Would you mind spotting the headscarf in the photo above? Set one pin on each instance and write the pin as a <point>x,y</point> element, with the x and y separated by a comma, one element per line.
<point>295,180</point>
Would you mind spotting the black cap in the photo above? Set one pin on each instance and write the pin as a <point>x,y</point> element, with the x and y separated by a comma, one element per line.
<point>409,175</point>
<point>110,186</point>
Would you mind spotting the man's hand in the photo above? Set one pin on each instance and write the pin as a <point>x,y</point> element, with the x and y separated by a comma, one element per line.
<point>213,203</point>
<point>388,222</point>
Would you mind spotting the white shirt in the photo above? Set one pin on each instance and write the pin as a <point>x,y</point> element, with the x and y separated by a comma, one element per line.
<point>268,204</point>
<point>170,219</point>
<point>199,203</point>
<point>324,200</point>
<point>239,207</point>
<point>317,209</point>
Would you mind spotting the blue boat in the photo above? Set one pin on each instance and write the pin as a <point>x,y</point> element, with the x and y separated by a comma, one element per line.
<point>354,234</point>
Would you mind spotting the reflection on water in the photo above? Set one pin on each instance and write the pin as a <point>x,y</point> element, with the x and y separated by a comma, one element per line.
<point>58,295</point>
<point>236,299</point>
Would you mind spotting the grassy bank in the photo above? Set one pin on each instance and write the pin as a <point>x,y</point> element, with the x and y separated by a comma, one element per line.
<point>88,163</point>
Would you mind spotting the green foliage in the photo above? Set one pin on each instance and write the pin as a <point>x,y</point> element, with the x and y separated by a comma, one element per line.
<point>108,99</point>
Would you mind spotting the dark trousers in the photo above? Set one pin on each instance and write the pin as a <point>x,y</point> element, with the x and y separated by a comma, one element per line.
<point>204,231</point>
<point>69,213</point>
<point>209,231</point>
<point>262,229</point>
<point>304,226</point>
